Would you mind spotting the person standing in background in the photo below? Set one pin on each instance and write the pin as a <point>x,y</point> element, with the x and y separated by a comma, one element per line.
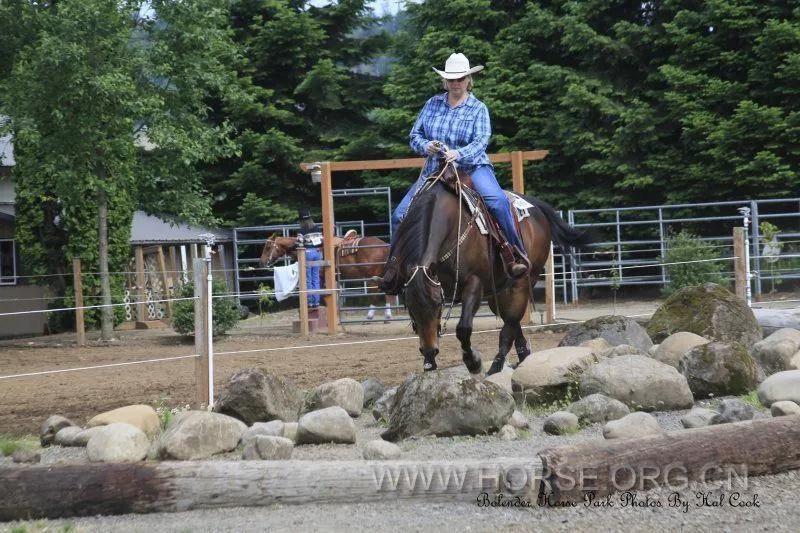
<point>311,239</point>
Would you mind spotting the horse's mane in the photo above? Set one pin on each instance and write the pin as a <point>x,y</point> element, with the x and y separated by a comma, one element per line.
<point>411,239</point>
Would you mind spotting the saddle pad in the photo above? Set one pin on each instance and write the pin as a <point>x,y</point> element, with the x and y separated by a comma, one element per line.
<point>520,205</point>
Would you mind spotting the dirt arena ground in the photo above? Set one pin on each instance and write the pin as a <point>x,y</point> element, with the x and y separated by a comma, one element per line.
<point>26,401</point>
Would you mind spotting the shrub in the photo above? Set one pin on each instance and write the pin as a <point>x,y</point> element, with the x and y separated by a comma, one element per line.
<point>684,247</point>
<point>225,311</point>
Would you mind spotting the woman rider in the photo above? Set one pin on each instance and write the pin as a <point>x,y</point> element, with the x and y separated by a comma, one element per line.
<point>461,121</point>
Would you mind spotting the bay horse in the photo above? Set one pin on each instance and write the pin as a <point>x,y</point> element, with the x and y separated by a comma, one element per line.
<point>438,248</point>
<point>358,259</point>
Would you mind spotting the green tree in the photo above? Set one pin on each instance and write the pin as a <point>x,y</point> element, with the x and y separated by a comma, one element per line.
<point>108,110</point>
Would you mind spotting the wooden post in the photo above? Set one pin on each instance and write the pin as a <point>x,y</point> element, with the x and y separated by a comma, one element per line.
<point>550,288</point>
<point>77,280</point>
<point>141,307</point>
<point>302,284</point>
<point>162,264</point>
<point>201,326</point>
<point>174,267</point>
<point>517,173</point>
<point>331,300</point>
<point>740,265</point>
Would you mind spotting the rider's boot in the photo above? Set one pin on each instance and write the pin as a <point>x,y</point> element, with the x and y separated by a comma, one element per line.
<point>517,264</point>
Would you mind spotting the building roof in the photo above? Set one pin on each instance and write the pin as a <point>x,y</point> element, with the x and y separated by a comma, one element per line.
<point>148,229</point>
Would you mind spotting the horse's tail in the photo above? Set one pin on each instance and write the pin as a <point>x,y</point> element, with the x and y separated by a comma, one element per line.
<point>562,233</point>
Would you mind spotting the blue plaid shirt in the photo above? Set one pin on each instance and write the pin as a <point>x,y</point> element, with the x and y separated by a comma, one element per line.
<point>464,128</point>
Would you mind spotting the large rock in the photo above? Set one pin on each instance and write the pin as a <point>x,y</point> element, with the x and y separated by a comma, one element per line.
<point>613,328</point>
<point>346,393</point>
<point>67,435</point>
<point>380,450</point>
<point>549,374</point>
<point>708,310</point>
<point>639,382</point>
<point>118,443</point>
<point>560,423</point>
<point>621,349</point>
<point>445,404</point>
<point>699,417</point>
<point>719,369</point>
<point>784,408</point>
<point>673,347</point>
<point>503,378</point>
<point>143,417</point>
<point>332,424</point>
<point>268,448</point>
<point>199,435</point>
<point>732,410</point>
<point>253,395</point>
<point>51,426</point>
<point>598,408</point>
<point>781,386</point>
<point>776,352</point>
<point>82,438</point>
<point>373,389</point>
<point>273,428</point>
<point>631,426</point>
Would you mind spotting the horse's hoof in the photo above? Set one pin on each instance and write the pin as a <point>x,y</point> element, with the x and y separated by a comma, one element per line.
<point>497,366</point>
<point>472,360</point>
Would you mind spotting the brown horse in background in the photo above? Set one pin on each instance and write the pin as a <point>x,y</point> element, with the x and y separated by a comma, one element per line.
<point>436,231</point>
<point>356,259</point>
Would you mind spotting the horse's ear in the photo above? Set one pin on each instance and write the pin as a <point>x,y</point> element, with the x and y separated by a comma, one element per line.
<point>272,237</point>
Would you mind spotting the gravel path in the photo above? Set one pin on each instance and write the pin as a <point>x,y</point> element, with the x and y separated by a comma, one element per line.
<point>776,496</point>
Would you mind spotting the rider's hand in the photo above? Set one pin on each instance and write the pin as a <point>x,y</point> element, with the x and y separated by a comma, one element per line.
<point>451,155</point>
<point>432,148</point>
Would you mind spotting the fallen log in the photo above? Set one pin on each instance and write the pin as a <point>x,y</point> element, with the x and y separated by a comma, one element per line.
<point>742,449</point>
<point>82,490</point>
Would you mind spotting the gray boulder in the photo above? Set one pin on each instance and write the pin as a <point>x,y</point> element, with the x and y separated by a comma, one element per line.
<point>290,431</point>
<point>637,424</point>
<point>560,423</point>
<point>784,408</point>
<point>380,450</point>
<point>118,443</point>
<point>373,389</point>
<point>719,369</point>
<point>781,386</point>
<point>273,428</point>
<point>346,393</point>
<point>253,395</point>
<point>268,448</point>
<point>503,378</point>
<point>508,432</point>
<point>143,417</point>
<point>518,420</point>
<point>550,374</point>
<point>732,410</point>
<point>698,417</point>
<point>639,382</point>
<point>332,424</point>
<point>596,345</point>
<point>673,347</point>
<point>382,409</point>
<point>708,310</point>
<point>598,408</point>
<point>776,352</point>
<point>613,328</point>
<point>26,455</point>
<point>445,404</point>
<point>51,426</point>
<point>66,436</point>
<point>199,435</point>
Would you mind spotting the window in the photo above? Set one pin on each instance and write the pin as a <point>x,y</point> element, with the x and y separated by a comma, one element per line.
<point>8,263</point>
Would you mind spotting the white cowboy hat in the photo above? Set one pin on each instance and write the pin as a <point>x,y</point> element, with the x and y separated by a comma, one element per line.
<point>457,66</point>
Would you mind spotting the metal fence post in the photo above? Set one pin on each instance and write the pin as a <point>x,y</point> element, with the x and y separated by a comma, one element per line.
<point>756,238</point>
<point>201,327</point>
<point>745,211</point>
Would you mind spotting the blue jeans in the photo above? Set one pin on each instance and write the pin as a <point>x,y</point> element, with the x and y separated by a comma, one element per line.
<point>486,184</point>
<point>312,275</point>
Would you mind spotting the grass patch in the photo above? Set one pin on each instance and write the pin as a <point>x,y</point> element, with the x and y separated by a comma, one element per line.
<point>9,444</point>
<point>752,399</point>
